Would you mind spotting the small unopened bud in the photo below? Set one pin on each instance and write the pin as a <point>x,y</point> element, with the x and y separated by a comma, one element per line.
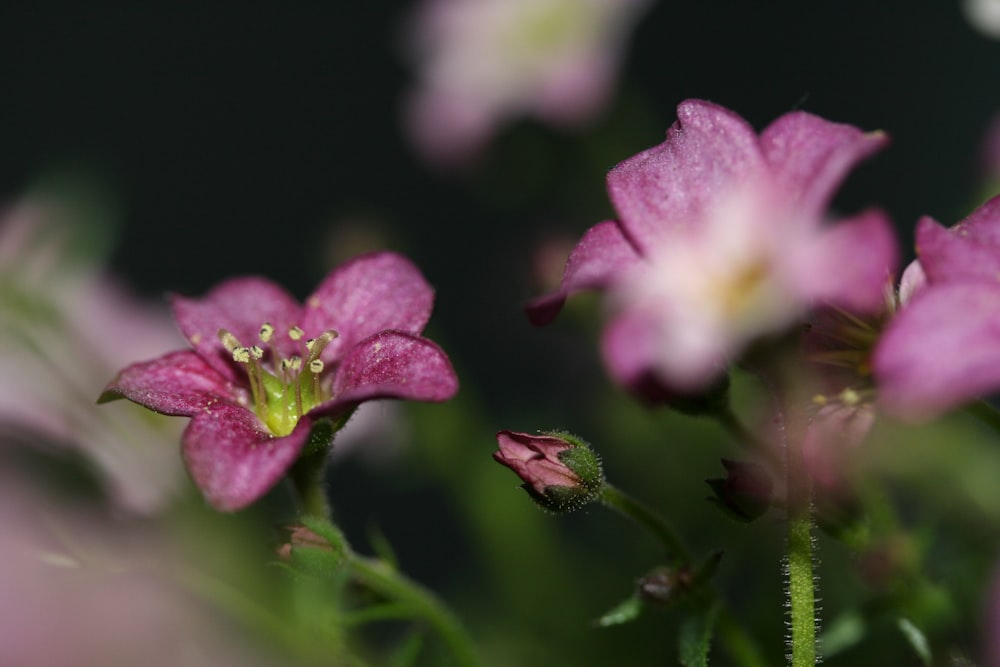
<point>560,471</point>
<point>746,492</point>
<point>299,536</point>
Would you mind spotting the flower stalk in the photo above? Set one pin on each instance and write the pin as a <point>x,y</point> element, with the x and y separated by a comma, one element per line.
<point>652,522</point>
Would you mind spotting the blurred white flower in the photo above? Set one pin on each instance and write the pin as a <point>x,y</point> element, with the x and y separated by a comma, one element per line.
<point>984,15</point>
<point>484,62</point>
<point>65,328</point>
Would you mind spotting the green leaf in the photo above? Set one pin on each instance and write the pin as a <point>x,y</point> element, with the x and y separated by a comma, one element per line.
<point>406,654</point>
<point>696,637</point>
<point>917,640</point>
<point>628,610</point>
<point>844,632</point>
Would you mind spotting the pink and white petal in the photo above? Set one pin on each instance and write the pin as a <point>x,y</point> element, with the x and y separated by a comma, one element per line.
<point>178,383</point>
<point>850,264</point>
<point>240,306</point>
<point>646,355</point>
<point>602,254</point>
<point>371,293</point>
<point>233,459</point>
<point>810,157</point>
<point>969,251</point>
<point>391,364</point>
<point>941,350</point>
<point>912,281</point>
<point>707,151</point>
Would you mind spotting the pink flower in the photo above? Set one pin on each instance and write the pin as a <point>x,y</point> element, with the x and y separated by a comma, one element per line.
<point>484,62</point>
<point>560,472</point>
<point>264,369</point>
<point>942,348</point>
<point>720,241</point>
<point>65,327</point>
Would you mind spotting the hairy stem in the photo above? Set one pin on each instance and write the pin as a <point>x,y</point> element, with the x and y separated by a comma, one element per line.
<point>656,525</point>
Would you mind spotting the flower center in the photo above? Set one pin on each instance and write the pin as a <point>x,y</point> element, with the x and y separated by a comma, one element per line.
<point>283,388</point>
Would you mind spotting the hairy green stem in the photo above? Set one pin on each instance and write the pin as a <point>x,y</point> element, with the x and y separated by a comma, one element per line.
<point>739,644</point>
<point>656,525</point>
<point>801,580</point>
<point>307,478</point>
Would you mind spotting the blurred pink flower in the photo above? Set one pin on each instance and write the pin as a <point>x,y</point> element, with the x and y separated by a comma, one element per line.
<point>265,369</point>
<point>65,326</point>
<point>721,240</point>
<point>482,63</point>
<point>78,589</point>
<point>942,348</point>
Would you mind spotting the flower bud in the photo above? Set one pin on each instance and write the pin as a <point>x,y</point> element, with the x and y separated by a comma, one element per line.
<point>746,492</point>
<point>560,471</point>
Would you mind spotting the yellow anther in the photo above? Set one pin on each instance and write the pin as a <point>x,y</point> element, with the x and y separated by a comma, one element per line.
<point>256,352</point>
<point>315,346</point>
<point>295,333</point>
<point>241,355</point>
<point>819,399</point>
<point>316,366</point>
<point>850,397</point>
<point>266,332</point>
<point>229,341</point>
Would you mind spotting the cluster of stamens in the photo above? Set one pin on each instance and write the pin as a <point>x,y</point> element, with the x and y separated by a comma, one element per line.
<point>282,393</point>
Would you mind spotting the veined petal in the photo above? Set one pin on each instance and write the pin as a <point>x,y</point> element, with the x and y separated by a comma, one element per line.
<point>369,294</point>
<point>601,254</point>
<point>969,251</point>
<point>233,459</point>
<point>391,364</point>
<point>849,264</point>
<point>810,157</point>
<point>941,350</point>
<point>179,383</point>
<point>240,306</point>
<point>708,151</point>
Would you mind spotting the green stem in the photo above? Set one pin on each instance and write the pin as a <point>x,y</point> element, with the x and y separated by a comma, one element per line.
<point>744,437</point>
<point>801,580</point>
<point>656,525</point>
<point>986,413</point>
<point>383,579</point>
<point>307,477</point>
<point>739,644</point>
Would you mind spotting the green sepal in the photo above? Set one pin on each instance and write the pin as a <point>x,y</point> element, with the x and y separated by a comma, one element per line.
<point>625,612</point>
<point>695,639</point>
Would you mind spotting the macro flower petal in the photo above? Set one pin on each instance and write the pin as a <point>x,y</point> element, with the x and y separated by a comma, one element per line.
<point>601,254</point>
<point>969,251</point>
<point>707,151</point>
<point>233,459</point>
<point>371,293</point>
<point>178,383</point>
<point>940,350</point>
<point>240,306</point>
<point>392,364</point>
<point>643,353</point>
<point>849,264</point>
<point>810,156</point>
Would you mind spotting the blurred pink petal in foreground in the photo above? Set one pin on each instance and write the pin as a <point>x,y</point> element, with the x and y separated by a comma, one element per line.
<point>64,326</point>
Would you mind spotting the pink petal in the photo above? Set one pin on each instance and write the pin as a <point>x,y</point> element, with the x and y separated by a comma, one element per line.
<point>179,383</point>
<point>240,306</point>
<point>601,254</point>
<point>849,264</point>
<point>392,364</point>
<point>639,354</point>
<point>369,294</point>
<point>941,350</point>
<point>233,459</point>
<point>969,251</point>
<point>708,151</point>
<point>811,156</point>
